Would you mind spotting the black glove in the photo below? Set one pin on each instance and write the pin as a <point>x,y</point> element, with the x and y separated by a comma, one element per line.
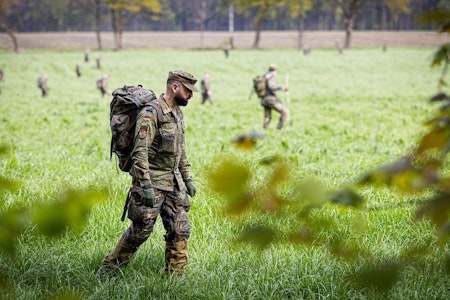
<point>191,190</point>
<point>148,195</point>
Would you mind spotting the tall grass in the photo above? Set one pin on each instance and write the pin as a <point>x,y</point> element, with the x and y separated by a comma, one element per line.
<point>349,113</point>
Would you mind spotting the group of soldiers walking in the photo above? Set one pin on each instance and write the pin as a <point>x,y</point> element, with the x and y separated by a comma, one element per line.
<point>101,84</point>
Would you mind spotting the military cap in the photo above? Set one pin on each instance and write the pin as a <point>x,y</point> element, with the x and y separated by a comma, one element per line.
<point>187,79</point>
<point>272,67</point>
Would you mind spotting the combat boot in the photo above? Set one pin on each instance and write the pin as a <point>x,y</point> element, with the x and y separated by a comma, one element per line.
<point>119,257</point>
<point>176,257</point>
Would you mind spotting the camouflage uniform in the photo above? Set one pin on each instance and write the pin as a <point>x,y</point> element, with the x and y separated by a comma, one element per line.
<point>159,158</point>
<point>42,84</point>
<point>206,89</point>
<point>272,102</point>
<point>102,84</point>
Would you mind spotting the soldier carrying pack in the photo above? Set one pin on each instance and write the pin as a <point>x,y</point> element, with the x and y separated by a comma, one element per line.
<point>126,103</point>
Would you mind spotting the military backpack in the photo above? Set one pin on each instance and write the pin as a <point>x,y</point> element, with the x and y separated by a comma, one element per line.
<point>260,85</point>
<point>126,103</point>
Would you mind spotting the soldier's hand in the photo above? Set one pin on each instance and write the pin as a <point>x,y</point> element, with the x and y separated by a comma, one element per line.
<point>190,187</point>
<point>148,195</point>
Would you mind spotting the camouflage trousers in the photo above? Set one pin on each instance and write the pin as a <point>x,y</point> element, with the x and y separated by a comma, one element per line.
<point>274,104</point>
<point>173,208</point>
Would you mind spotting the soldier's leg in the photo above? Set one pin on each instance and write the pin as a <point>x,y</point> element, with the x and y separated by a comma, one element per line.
<point>143,220</point>
<point>177,225</point>
<point>284,114</point>
<point>267,116</point>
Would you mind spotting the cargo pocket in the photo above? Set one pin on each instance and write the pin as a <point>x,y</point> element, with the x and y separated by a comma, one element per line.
<point>137,212</point>
<point>182,225</point>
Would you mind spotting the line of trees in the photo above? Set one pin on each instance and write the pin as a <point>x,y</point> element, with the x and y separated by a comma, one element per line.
<point>212,15</point>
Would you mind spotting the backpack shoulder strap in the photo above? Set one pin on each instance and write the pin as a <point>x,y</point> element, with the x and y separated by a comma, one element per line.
<point>159,111</point>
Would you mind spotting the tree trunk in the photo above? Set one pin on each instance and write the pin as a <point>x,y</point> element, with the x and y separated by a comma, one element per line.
<point>115,22</point>
<point>348,31</point>
<point>301,26</point>
<point>11,34</point>
<point>97,24</point>
<point>258,34</point>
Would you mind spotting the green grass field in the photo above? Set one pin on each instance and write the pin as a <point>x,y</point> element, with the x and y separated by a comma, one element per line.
<point>349,114</point>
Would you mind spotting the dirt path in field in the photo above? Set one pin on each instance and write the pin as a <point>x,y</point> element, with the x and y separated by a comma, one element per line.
<point>196,40</point>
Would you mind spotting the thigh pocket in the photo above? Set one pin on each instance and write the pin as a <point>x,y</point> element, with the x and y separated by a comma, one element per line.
<point>137,212</point>
<point>182,225</point>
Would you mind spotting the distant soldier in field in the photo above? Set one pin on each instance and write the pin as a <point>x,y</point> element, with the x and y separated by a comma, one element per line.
<point>97,61</point>
<point>102,84</point>
<point>78,69</point>
<point>42,84</point>
<point>86,55</point>
<point>227,49</point>
<point>339,47</point>
<point>306,50</point>
<point>271,101</point>
<point>206,88</point>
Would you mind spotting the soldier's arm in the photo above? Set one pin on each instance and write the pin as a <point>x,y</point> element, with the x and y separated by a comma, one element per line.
<point>271,83</point>
<point>146,127</point>
<point>184,166</point>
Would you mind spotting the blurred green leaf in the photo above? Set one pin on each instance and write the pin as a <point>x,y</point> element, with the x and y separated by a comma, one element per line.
<point>346,197</point>
<point>402,174</point>
<point>310,192</point>
<point>303,236</point>
<point>5,149</point>
<point>239,203</point>
<point>442,55</point>
<point>247,141</point>
<point>437,16</point>
<point>343,250</point>
<point>379,277</point>
<point>68,212</point>
<point>228,177</point>
<point>280,174</point>
<point>445,27</point>
<point>444,234</point>
<point>438,138</point>
<point>437,209</point>
<point>259,235</point>
<point>7,184</point>
<point>439,97</point>
<point>269,160</point>
<point>12,224</point>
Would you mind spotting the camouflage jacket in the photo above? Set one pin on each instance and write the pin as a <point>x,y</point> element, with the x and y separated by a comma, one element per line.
<point>272,86</point>
<point>159,154</point>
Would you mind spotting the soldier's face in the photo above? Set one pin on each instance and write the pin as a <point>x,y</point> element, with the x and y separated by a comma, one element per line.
<point>182,95</point>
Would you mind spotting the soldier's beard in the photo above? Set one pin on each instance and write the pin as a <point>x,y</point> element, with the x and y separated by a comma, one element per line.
<point>180,100</point>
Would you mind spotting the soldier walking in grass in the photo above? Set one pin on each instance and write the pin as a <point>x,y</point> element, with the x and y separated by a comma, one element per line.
<point>98,61</point>
<point>42,84</point>
<point>102,84</point>
<point>78,69</point>
<point>206,88</point>
<point>271,101</point>
<point>161,179</point>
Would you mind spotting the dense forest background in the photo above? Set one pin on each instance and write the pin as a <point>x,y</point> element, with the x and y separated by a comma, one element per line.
<point>210,15</point>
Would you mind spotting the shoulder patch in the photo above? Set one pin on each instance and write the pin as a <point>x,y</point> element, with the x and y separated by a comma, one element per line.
<point>148,114</point>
